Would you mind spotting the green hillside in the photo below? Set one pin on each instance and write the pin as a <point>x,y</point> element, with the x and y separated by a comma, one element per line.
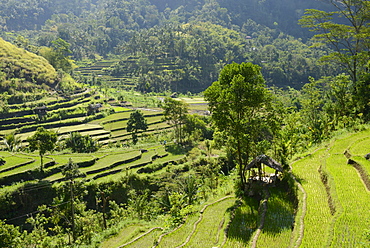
<point>21,70</point>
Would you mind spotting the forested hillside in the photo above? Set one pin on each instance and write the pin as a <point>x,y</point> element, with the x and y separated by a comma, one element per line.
<point>174,45</point>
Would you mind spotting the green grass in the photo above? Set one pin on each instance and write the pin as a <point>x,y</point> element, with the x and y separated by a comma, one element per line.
<point>14,160</point>
<point>179,236</point>
<point>279,220</point>
<point>112,117</point>
<point>32,166</point>
<point>318,214</point>
<point>124,168</point>
<point>210,230</point>
<point>345,141</point>
<point>361,147</point>
<point>365,164</point>
<point>111,126</point>
<point>77,128</point>
<point>103,164</point>
<point>353,219</point>
<point>5,154</point>
<point>110,159</point>
<point>63,159</point>
<point>350,224</point>
<point>147,240</point>
<point>125,235</point>
<point>243,225</point>
<point>152,129</point>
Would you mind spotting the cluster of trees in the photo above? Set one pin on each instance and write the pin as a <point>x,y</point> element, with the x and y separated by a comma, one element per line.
<point>188,128</point>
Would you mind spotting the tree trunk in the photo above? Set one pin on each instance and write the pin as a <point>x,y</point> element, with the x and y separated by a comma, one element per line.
<point>240,161</point>
<point>42,161</point>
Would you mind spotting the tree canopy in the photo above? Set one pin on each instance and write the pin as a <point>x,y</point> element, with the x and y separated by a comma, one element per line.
<point>135,123</point>
<point>43,140</point>
<point>240,105</point>
<point>175,112</point>
<point>346,30</point>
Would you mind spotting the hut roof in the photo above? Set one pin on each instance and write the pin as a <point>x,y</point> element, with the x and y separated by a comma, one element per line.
<point>265,160</point>
<point>41,108</point>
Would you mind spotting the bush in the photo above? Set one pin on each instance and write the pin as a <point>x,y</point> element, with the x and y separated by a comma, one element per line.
<point>80,143</point>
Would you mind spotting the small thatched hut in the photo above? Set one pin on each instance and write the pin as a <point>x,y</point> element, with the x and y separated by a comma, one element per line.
<point>266,160</point>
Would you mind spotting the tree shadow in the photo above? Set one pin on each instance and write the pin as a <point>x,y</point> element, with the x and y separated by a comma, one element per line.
<point>280,212</point>
<point>245,221</point>
<point>177,149</point>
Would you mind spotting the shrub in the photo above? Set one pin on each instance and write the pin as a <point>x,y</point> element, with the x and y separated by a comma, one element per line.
<point>81,144</point>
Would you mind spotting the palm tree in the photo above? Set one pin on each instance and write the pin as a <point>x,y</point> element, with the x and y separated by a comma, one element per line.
<point>12,142</point>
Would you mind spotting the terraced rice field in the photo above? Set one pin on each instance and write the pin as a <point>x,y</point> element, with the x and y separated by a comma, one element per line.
<point>126,235</point>
<point>341,210</point>
<point>204,229</point>
<point>336,202</point>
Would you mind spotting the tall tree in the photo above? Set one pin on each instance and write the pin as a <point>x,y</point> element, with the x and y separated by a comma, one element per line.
<point>240,106</point>
<point>175,113</point>
<point>135,123</point>
<point>43,140</point>
<point>346,31</point>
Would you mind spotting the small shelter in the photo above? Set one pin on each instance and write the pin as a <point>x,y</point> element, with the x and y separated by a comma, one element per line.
<point>41,110</point>
<point>94,108</point>
<point>257,163</point>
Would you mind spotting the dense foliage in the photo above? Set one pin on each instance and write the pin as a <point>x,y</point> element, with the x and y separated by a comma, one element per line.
<point>178,46</point>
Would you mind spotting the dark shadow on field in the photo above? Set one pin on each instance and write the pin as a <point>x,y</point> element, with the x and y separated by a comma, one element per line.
<point>299,179</point>
<point>245,221</point>
<point>280,212</point>
<point>176,149</point>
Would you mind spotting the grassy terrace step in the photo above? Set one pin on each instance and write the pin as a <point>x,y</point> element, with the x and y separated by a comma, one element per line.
<point>78,128</point>
<point>79,158</point>
<point>27,172</point>
<point>118,125</point>
<point>361,147</point>
<point>104,163</point>
<point>127,234</point>
<point>242,226</point>
<point>29,166</point>
<point>210,230</point>
<point>179,236</point>
<point>124,116</point>
<point>48,125</point>
<point>114,173</point>
<point>15,161</point>
<point>279,220</point>
<point>64,131</point>
<point>152,129</point>
<point>111,161</point>
<point>352,197</point>
<point>365,164</point>
<point>318,211</point>
<point>113,117</point>
<point>146,240</point>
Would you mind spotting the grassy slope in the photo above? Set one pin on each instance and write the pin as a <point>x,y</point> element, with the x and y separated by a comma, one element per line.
<point>345,223</point>
<point>25,64</point>
<point>318,212</point>
<point>353,219</point>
